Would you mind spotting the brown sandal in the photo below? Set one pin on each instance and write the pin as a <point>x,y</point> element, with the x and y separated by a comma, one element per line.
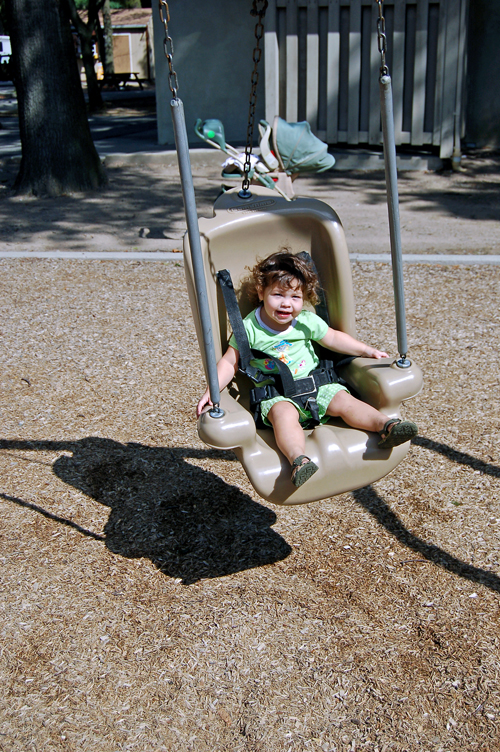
<point>396,432</point>
<point>302,469</point>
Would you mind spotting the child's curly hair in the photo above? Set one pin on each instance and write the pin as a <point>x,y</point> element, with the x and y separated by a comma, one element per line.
<point>283,268</point>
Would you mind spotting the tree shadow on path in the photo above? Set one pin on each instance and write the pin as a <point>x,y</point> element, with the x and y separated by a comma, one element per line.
<point>186,520</point>
<point>139,205</point>
<point>472,195</point>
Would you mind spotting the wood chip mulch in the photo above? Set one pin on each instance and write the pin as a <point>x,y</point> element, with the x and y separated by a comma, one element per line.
<point>151,601</point>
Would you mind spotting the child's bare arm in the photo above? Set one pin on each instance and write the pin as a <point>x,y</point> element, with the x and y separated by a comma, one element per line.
<point>226,370</point>
<point>344,343</point>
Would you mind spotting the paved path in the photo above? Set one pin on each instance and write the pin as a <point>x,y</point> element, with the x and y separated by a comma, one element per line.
<point>442,213</point>
<point>133,131</point>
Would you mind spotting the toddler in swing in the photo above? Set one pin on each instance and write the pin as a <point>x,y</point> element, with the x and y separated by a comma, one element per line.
<point>279,327</point>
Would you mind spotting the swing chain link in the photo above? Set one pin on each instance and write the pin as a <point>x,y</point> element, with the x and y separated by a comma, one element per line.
<point>168,48</point>
<point>382,38</point>
<point>257,55</point>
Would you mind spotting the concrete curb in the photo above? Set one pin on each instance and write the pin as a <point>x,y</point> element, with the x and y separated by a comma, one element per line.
<point>348,159</point>
<point>428,258</point>
<point>96,255</point>
<point>380,258</point>
<point>200,158</point>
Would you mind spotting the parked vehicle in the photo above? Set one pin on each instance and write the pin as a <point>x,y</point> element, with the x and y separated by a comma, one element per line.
<point>5,59</point>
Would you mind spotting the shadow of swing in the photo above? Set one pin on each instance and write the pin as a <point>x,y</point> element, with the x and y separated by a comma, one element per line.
<point>455,456</point>
<point>376,506</point>
<point>186,520</point>
<point>190,523</point>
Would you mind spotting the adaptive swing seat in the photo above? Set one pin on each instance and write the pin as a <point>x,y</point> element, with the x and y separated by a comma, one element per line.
<point>241,231</point>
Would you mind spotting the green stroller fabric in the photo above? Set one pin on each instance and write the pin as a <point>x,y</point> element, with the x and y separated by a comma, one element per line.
<point>211,130</point>
<point>298,149</point>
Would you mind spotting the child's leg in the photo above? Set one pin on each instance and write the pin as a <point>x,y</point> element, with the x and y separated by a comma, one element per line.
<point>290,439</point>
<point>288,432</point>
<point>356,413</point>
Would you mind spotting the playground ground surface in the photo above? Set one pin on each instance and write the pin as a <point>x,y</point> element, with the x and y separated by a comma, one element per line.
<point>151,600</point>
<point>141,209</point>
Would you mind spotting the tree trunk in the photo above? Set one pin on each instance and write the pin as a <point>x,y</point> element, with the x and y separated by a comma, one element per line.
<point>58,154</point>
<point>85,32</point>
<point>93,91</point>
<point>109,65</point>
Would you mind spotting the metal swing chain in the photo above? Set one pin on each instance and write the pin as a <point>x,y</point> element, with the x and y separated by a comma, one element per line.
<point>382,38</point>
<point>257,54</point>
<point>168,48</point>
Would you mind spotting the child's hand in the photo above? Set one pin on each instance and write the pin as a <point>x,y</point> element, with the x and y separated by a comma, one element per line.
<point>372,352</point>
<point>226,370</point>
<point>205,400</point>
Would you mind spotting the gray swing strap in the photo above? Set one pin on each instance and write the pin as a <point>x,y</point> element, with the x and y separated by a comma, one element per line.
<point>391,179</point>
<point>182,146</point>
<point>394,221</point>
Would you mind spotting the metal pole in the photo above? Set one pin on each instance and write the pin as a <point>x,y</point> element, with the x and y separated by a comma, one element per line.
<point>181,141</point>
<point>391,179</point>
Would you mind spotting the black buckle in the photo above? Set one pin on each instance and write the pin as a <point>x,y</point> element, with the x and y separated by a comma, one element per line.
<point>311,381</point>
<point>259,393</point>
<point>255,374</point>
<point>312,406</point>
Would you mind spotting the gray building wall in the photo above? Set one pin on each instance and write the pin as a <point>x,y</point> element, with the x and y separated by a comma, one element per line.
<point>482,121</point>
<point>213,59</point>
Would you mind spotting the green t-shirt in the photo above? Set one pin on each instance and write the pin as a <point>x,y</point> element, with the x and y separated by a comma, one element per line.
<point>293,346</point>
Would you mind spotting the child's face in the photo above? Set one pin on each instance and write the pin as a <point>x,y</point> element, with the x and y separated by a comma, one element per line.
<point>281,305</point>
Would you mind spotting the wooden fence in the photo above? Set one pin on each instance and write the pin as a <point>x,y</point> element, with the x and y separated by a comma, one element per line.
<point>322,65</point>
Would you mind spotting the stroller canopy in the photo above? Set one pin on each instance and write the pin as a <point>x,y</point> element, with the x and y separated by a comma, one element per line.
<point>298,149</point>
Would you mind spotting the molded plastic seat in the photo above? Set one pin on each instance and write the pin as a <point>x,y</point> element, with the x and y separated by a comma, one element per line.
<point>241,231</point>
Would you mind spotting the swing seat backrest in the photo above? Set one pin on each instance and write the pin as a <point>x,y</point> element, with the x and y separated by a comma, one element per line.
<point>240,232</point>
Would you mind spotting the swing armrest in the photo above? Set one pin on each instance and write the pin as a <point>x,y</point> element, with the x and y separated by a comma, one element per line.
<point>235,429</point>
<point>382,383</point>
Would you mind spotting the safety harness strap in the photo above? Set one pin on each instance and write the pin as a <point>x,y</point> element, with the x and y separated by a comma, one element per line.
<point>236,321</point>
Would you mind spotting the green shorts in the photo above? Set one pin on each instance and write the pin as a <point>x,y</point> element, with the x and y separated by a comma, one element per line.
<point>325,395</point>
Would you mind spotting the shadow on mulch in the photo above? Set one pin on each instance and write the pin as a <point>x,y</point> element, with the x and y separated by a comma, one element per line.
<point>186,520</point>
<point>371,501</point>
<point>190,523</point>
